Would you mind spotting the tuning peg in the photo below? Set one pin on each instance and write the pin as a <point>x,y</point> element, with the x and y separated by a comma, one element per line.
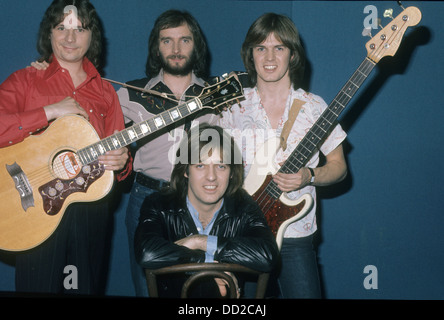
<point>367,32</point>
<point>388,13</point>
<point>379,23</point>
<point>399,3</point>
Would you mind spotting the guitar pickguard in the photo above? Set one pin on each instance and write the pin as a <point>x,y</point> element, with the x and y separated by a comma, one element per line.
<point>279,210</point>
<point>275,211</point>
<point>55,192</point>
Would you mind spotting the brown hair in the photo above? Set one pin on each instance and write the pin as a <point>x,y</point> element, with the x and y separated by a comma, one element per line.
<point>55,14</point>
<point>174,19</point>
<point>200,141</point>
<point>285,31</point>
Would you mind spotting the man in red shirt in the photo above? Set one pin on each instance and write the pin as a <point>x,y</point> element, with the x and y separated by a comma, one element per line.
<point>29,100</point>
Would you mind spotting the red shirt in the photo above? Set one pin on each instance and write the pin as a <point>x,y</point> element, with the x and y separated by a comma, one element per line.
<point>24,94</point>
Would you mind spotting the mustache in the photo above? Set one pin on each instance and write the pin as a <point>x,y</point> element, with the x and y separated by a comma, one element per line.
<point>176,56</point>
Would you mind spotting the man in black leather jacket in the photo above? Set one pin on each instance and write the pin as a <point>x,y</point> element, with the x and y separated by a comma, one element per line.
<point>205,216</point>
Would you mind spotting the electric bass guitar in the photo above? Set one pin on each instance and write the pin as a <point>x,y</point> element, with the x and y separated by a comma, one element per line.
<point>43,174</point>
<point>279,210</point>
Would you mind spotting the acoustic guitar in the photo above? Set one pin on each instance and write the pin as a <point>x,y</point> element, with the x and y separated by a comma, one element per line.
<point>42,175</point>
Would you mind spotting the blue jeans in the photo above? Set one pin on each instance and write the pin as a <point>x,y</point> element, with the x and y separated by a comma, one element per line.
<point>137,196</point>
<point>299,276</point>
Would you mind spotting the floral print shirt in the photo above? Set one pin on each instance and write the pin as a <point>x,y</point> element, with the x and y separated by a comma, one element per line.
<point>248,123</point>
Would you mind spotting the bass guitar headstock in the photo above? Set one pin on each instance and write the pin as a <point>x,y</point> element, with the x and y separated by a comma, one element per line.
<point>386,42</point>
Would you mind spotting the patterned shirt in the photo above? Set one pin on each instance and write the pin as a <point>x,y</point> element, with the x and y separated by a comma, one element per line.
<point>248,123</point>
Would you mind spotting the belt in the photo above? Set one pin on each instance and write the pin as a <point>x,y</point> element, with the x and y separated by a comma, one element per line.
<point>151,183</point>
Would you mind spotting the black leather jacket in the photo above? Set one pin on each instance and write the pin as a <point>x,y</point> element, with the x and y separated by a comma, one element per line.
<point>243,234</point>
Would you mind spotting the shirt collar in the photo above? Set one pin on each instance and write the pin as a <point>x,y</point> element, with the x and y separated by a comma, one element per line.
<point>54,67</point>
<point>159,78</point>
<point>195,215</point>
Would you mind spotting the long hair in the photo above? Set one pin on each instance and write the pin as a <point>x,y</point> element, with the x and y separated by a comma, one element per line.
<point>200,142</point>
<point>55,14</point>
<point>285,31</point>
<point>174,19</point>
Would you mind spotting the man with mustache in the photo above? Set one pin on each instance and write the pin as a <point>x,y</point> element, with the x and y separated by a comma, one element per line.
<point>176,66</point>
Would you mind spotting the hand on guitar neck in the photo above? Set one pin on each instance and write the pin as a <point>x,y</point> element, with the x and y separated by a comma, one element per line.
<point>114,159</point>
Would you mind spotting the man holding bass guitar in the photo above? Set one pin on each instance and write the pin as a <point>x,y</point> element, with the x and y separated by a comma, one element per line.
<point>70,39</point>
<point>275,106</point>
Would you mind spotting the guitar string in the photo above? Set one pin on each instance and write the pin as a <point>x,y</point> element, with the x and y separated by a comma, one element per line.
<point>265,195</point>
<point>366,67</point>
<point>266,200</point>
<point>153,92</point>
<point>378,51</point>
<point>45,174</point>
<point>268,205</point>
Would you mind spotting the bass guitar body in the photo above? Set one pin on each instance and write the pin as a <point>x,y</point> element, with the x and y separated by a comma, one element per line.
<point>41,176</point>
<point>279,210</point>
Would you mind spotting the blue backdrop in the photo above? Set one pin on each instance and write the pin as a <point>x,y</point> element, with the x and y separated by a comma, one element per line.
<point>388,212</point>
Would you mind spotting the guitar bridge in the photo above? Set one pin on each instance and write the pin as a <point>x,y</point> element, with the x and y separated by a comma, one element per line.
<point>22,185</point>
